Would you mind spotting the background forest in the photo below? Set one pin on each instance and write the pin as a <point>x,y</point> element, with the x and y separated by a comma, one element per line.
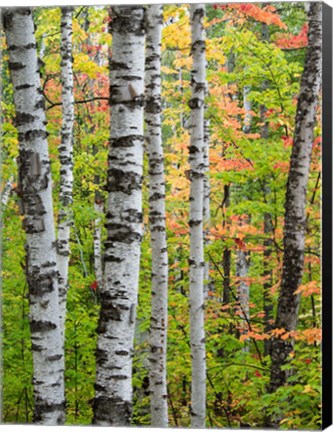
<point>255,57</point>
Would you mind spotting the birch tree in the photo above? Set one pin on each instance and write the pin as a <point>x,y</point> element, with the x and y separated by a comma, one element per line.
<point>113,396</point>
<point>66,160</point>
<point>7,189</point>
<point>196,261</point>
<point>206,205</point>
<point>242,261</point>
<point>268,225</point>
<point>243,292</point>
<point>35,190</point>
<point>159,301</point>
<point>295,206</point>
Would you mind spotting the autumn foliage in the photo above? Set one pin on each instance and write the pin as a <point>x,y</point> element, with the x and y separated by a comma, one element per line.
<point>254,166</point>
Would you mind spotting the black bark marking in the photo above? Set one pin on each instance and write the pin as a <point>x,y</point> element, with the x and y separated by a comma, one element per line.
<point>127,141</point>
<point>40,284</point>
<point>24,87</point>
<point>112,258</point>
<point>54,357</point>
<point>127,20</point>
<point>15,66</point>
<point>37,348</point>
<point>42,407</point>
<point>122,353</point>
<point>23,118</point>
<point>42,326</point>
<point>156,196</point>
<point>27,46</point>
<point>195,103</point>
<point>153,105</point>
<point>32,135</point>
<point>105,406</point>
<point>121,181</point>
<point>194,223</point>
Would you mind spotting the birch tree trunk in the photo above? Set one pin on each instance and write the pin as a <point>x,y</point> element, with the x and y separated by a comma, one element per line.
<point>247,108</point>
<point>113,396</point>
<point>66,161</point>
<point>268,226</point>
<point>98,267</point>
<point>6,192</point>
<point>206,206</point>
<point>242,262</point>
<point>243,292</point>
<point>159,302</point>
<point>35,189</point>
<point>196,261</point>
<point>295,215</point>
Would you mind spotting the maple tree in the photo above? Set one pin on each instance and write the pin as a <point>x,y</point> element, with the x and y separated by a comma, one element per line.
<point>256,47</point>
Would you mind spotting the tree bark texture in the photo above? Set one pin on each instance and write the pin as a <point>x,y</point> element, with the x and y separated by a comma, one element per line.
<point>35,190</point>
<point>295,207</point>
<point>196,261</point>
<point>206,206</point>
<point>159,301</point>
<point>113,396</point>
<point>66,161</point>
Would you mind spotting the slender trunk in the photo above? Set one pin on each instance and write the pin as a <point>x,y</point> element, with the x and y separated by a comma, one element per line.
<point>66,161</point>
<point>268,304</point>
<point>35,190</point>
<point>113,397</point>
<point>226,261</point>
<point>268,227</point>
<point>247,108</point>
<point>242,262</point>
<point>98,201</point>
<point>6,192</point>
<point>206,205</point>
<point>243,292</point>
<point>98,268</point>
<point>295,215</point>
<point>159,301</point>
<point>196,261</point>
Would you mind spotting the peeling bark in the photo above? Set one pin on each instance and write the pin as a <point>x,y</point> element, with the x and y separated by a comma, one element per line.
<point>34,185</point>
<point>197,264</point>
<point>159,302</point>
<point>66,161</point>
<point>295,214</point>
<point>113,388</point>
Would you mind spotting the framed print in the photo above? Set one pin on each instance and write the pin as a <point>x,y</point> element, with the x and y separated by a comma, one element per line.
<point>166,202</point>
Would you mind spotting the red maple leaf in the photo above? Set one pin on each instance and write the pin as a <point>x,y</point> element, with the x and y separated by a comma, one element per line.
<point>94,286</point>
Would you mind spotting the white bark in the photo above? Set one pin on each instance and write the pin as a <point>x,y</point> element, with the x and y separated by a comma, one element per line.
<point>6,192</point>
<point>206,205</point>
<point>66,161</point>
<point>243,292</point>
<point>98,206</point>
<point>247,108</point>
<point>113,397</point>
<point>197,264</point>
<point>159,302</point>
<point>35,189</point>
